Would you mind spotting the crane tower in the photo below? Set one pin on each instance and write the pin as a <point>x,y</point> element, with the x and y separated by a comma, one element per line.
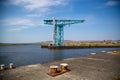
<point>58,33</point>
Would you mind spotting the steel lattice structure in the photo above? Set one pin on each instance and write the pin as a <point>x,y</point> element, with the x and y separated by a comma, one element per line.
<point>58,34</point>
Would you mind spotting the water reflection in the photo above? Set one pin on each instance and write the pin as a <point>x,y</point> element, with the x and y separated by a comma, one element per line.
<point>58,54</point>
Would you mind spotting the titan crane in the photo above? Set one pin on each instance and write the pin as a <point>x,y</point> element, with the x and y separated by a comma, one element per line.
<point>58,34</point>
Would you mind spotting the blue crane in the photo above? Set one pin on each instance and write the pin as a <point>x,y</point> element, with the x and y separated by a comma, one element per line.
<point>58,34</point>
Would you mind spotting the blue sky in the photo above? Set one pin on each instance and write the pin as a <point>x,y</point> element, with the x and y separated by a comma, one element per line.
<point>21,21</point>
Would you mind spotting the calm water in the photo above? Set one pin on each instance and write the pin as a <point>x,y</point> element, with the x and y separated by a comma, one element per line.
<point>32,54</point>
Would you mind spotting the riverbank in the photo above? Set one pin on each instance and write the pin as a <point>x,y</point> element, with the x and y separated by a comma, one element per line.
<point>80,47</point>
<point>100,66</point>
<point>71,44</point>
<point>18,44</point>
<point>84,44</point>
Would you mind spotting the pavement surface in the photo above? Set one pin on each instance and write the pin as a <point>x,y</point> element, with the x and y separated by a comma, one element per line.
<point>100,66</point>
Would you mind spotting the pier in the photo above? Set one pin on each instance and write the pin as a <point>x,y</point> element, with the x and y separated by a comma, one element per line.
<point>100,66</point>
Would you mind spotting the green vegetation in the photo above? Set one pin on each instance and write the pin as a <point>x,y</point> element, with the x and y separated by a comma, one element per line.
<point>92,44</point>
<point>118,51</point>
<point>17,44</point>
<point>118,78</point>
<point>83,44</point>
<point>6,44</point>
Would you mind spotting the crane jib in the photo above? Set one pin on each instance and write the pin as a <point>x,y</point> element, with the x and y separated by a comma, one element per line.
<point>58,32</point>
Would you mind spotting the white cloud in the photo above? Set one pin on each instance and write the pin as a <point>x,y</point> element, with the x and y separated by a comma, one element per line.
<point>38,8</point>
<point>38,4</point>
<point>19,28</point>
<point>35,8</point>
<point>112,3</point>
<point>34,15</point>
<point>20,21</point>
<point>17,24</point>
<point>15,29</point>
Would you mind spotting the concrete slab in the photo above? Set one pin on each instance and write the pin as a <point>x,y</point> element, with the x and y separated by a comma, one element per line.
<point>101,66</point>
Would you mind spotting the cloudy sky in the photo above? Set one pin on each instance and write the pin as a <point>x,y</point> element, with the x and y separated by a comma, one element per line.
<point>21,21</point>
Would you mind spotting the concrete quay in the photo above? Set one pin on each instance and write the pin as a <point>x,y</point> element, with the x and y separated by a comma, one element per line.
<point>100,66</point>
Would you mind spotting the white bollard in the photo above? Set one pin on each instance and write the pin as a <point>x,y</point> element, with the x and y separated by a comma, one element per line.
<point>2,66</point>
<point>103,51</point>
<point>114,51</point>
<point>110,52</point>
<point>11,65</point>
<point>92,53</point>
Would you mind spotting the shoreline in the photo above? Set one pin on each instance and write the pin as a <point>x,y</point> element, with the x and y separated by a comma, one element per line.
<point>78,47</point>
<point>100,66</point>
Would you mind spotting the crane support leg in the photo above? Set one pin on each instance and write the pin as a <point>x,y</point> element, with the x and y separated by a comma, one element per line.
<point>61,35</point>
<point>58,36</point>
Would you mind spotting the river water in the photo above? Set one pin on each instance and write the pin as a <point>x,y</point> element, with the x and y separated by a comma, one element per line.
<point>32,54</point>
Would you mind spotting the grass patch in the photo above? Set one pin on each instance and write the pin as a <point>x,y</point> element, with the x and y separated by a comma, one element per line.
<point>118,78</point>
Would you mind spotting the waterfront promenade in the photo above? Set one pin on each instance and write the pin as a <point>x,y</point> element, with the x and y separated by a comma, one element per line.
<point>100,66</point>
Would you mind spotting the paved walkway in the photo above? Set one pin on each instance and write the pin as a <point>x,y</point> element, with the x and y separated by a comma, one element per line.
<point>103,66</point>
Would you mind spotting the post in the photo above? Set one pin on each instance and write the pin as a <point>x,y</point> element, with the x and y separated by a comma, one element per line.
<point>2,66</point>
<point>61,35</point>
<point>53,69</point>
<point>11,65</point>
<point>54,32</point>
<point>64,67</point>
